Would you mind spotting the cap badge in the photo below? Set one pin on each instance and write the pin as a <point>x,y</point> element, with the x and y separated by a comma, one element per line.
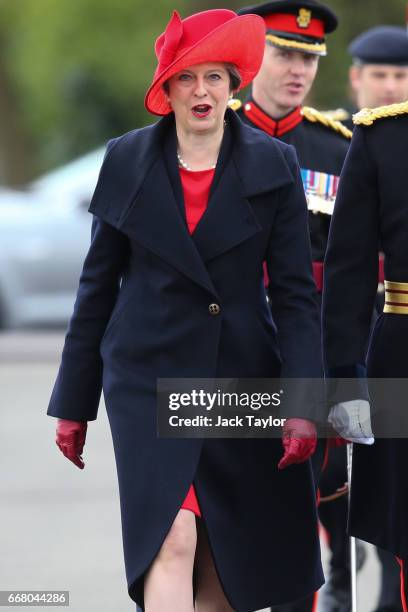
<point>304,18</point>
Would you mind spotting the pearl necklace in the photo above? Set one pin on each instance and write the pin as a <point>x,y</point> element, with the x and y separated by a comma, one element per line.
<point>184,165</point>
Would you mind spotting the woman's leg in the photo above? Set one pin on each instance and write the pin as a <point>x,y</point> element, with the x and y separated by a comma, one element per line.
<point>209,594</point>
<point>168,583</point>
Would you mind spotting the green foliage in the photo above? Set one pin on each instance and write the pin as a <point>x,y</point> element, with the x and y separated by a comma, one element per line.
<point>81,68</point>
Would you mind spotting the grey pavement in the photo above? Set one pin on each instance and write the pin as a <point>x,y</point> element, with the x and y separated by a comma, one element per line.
<point>60,526</point>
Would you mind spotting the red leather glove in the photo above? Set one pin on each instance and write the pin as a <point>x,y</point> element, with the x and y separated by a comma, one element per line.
<point>299,439</point>
<point>70,439</point>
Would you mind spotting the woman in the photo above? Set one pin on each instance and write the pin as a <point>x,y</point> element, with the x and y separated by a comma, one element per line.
<point>173,287</point>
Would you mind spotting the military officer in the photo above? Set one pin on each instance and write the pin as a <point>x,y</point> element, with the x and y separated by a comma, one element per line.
<point>372,205</point>
<point>295,41</point>
<point>378,76</point>
<point>379,72</point>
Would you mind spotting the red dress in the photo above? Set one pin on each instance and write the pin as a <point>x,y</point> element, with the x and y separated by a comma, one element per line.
<point>196,189</point>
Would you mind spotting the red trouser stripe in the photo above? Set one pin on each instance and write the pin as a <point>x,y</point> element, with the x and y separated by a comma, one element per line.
<point>404,585</point>
<point>315,598</point>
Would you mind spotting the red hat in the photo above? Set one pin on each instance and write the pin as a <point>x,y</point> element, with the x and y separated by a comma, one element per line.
<point>218,35</point>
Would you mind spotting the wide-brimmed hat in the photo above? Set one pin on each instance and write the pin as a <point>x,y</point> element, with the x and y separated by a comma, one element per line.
<point>217,35</point>
<point>296,25</point>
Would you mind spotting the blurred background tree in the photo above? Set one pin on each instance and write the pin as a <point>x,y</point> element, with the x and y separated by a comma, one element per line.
<point>73,73</point>
<point>79,70</point>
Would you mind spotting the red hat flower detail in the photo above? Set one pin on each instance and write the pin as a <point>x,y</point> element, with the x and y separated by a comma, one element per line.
<point>172,37</point>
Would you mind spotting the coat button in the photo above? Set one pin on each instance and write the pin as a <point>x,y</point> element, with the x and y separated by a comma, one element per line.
<point>214,309</point>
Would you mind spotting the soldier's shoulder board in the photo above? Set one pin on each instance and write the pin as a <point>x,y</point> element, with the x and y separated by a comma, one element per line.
<point>367,116</point>
<point>234,104</point>
<point>315,116</point>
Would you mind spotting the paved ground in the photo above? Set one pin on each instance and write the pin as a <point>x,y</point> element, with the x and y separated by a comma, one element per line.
<point>60,525</point>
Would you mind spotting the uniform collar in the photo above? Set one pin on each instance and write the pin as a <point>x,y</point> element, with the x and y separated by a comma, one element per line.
<point>264,121</point>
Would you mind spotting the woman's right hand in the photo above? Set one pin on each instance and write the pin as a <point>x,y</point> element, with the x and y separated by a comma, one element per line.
<point>299,440</point>
<point>70,439</point>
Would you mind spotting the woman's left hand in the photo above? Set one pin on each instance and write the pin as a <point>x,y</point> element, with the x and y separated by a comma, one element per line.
<point>299,439</point>
<point>70,439</point>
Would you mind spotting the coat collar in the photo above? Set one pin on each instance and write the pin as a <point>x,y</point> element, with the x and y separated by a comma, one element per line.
<point>255,154</point>
<point>139,192</point>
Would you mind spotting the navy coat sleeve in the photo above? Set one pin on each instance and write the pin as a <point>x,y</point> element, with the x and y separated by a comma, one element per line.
<point>293,297</point>
<point>351,266</point>
<point>78,386</point>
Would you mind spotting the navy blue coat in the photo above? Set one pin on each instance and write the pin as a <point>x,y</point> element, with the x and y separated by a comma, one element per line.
<point>371,209</point>
<point>142,313</point>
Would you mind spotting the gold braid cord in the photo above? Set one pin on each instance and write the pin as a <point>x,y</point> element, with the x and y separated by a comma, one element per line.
<point>235,104</point>
<point>315,116</point>
<point>367,116</point>
<point>338,114</point>
<point>318,49</point>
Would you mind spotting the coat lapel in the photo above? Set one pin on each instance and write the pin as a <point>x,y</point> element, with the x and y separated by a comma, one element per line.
<point>229,219</point>
<point>259,158</point>
<point>136,195</point>
<point>157,223</point>
<point>248,165</point>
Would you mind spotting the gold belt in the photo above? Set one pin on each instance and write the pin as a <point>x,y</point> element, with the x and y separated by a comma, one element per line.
<point>396,297</point>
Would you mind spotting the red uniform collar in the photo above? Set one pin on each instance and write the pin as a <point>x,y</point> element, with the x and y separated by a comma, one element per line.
<point>269,125</point>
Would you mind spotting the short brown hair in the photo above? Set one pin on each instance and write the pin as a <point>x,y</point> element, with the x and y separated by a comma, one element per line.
<point>235,77</point>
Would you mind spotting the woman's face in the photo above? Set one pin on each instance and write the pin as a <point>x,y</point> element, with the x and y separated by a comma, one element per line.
<point>199,97</point>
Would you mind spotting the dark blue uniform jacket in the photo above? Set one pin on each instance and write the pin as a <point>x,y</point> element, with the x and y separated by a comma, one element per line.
<point>372,209</point>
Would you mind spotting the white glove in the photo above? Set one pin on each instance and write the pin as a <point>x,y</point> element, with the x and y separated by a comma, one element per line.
<point>352,421</point>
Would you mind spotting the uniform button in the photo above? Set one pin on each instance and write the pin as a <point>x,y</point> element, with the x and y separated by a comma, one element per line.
<point>214,309</point>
